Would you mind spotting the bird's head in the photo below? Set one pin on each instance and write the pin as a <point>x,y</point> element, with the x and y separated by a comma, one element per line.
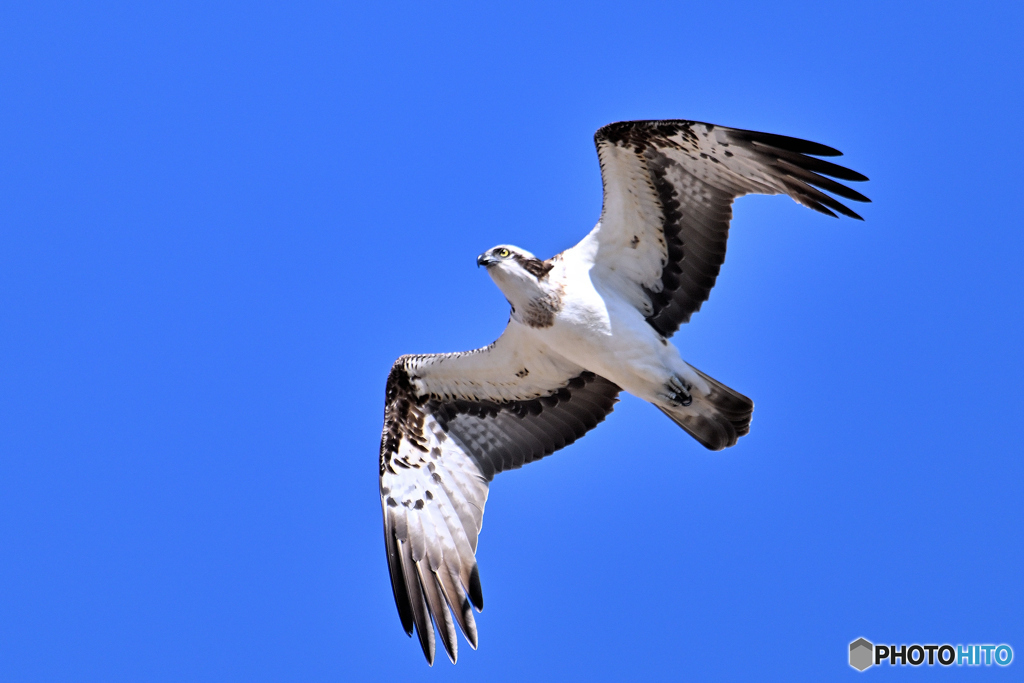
<point>517,272</point>
<point>511,260</point>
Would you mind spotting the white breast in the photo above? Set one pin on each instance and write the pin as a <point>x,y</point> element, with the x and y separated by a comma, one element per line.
<point>599,330</point>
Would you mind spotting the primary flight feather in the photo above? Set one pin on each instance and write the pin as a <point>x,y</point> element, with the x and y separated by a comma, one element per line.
<point>585,324</point>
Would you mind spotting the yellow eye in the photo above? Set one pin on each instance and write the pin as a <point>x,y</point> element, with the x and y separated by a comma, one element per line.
<point>503,253</point>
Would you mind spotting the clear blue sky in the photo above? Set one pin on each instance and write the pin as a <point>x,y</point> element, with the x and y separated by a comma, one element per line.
<point>220,224</point>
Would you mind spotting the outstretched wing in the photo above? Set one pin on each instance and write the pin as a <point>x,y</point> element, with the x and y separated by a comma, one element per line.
<point>668,193</point>
<point>451,422</point>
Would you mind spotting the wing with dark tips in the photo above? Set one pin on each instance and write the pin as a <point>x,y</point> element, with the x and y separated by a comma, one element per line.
<point>668,193</point>
<point>451,422</point>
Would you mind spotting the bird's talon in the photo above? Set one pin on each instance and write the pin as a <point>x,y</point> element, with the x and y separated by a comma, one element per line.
<point>679,392</point>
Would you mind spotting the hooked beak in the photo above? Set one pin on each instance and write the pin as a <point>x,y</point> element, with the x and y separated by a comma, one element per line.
<point>484,260</point>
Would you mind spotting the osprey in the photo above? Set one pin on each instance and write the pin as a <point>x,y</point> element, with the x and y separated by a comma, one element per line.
<point>585,324</point>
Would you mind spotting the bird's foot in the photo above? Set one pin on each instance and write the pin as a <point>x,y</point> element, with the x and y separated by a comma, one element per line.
<point>677,390</point>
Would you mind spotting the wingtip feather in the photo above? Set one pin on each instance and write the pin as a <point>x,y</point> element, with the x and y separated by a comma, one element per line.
<point>476,594</point>
<point>398,584</point>
<point>438,610</point>
<point>421,615</point>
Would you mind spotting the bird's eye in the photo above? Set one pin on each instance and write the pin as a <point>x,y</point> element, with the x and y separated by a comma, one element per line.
<point>503,253</point>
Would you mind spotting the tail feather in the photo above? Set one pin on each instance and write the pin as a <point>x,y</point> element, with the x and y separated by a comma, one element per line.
<point>716,419</point>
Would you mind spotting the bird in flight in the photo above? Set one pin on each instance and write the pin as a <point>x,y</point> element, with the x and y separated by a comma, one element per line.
<point>585,324</point>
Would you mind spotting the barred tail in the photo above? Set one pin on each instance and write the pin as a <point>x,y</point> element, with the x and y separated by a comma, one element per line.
<point>716,419</point>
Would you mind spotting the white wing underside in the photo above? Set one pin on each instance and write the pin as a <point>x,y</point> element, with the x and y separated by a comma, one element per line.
<point>513,368</point>
<point>451,422</point>
<point>668,193</point>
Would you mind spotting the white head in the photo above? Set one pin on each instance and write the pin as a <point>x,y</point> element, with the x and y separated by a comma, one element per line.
<point>519,274</point>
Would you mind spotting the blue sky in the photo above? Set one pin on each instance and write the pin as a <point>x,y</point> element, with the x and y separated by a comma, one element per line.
<point>220,224</point>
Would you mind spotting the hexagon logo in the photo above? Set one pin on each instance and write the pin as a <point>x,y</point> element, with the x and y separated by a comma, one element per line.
<point>861,654</point>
